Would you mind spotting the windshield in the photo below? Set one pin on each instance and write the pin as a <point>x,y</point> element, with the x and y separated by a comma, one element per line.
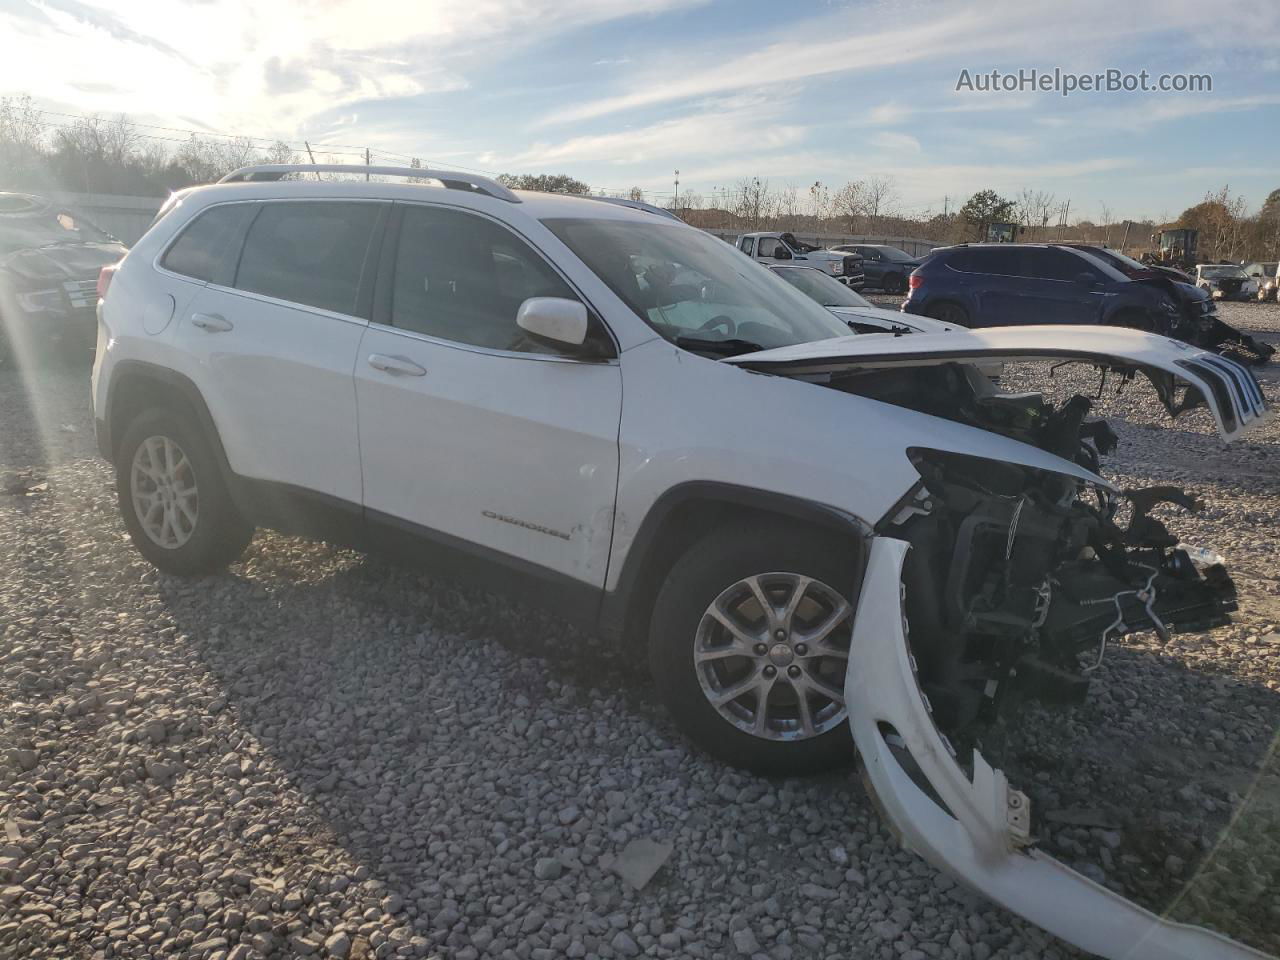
<point>56,226</point>
<point>687,284</point>
<point>1222,271</point>
<point>820,288</point>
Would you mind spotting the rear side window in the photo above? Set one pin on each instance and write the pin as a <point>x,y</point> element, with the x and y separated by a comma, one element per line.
<point>312,253</point>
<point>745,245</point>
<point>996,260</point>
<point>204,250</point>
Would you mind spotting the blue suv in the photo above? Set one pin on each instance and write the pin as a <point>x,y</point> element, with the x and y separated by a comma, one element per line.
<point>999,284</point>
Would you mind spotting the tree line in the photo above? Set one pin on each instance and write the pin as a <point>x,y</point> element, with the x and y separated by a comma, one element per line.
<point>101,155</point>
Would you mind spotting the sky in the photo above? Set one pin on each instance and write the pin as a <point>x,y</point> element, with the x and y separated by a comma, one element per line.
<point>623,94</point>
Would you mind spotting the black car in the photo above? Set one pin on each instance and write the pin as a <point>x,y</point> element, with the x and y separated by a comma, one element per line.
<point>50,258</point>
<point>885,267</point>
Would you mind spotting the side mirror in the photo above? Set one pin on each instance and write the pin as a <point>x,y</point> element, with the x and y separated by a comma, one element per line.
<point>1086,279</point>
<point>554,319</point>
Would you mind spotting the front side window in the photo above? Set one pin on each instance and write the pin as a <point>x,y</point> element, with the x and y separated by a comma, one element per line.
<point>1050,264</point>
<point>308,252</point>
<point>462,278</point>
<point>694,289</point>
<point>203,251</point>
<point>1002,261</point>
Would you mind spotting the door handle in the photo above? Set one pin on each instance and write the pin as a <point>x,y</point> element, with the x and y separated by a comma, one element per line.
<point>211,322</point>
<point>396,366</point>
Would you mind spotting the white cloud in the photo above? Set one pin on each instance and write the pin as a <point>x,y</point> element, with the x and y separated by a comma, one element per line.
<point>246,64</point>
<point>970,36</point>
<point>896,142</point>
<point>738,125</point>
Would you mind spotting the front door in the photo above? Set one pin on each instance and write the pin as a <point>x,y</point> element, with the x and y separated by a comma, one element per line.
<point>471,432</point>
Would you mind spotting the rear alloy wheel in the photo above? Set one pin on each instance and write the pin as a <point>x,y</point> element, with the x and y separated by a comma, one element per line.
<point>949,312</point>
<point>166,497</point>
<point>173,498</point>
<point>749,646</point>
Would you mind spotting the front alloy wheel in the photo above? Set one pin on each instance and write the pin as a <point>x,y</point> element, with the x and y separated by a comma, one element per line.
<point>749,645</point>
<point>770,654</point>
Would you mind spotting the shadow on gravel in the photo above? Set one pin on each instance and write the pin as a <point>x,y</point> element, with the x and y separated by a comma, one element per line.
<point>382,693</point>
<point>448,763</point>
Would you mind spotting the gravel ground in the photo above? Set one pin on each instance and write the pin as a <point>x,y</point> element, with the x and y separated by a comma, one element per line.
<point>321,754</point>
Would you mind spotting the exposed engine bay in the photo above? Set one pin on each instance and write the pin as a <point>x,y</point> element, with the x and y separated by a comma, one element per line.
<point>1018,578</point>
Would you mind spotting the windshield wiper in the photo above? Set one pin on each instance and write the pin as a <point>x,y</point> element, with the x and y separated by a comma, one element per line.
<point>725,348</point>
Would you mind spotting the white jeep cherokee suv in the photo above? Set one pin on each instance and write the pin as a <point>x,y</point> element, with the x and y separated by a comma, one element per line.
<point>624,419</point>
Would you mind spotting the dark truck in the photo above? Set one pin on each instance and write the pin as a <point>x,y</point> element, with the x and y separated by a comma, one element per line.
<point>50,257</point>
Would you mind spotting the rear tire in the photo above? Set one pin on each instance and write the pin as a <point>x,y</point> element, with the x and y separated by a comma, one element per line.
<point>949,312</point>
<point>173,499</point>
<point>893,283</point>
<point>719,570</point>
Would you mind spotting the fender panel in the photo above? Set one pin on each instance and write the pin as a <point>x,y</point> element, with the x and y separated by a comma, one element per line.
<point>616,606</point>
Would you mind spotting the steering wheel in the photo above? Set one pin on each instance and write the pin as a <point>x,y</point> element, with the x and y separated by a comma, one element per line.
<point>723,320</point>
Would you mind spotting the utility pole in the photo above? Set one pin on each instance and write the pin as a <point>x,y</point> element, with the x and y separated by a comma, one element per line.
<point>945,201</point>
<point>312,156</point>
<point>675,201</point>
<point>367,161</point>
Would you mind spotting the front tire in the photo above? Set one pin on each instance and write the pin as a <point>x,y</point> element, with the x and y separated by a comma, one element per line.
<point>173,499</point>
<point>749,645</point>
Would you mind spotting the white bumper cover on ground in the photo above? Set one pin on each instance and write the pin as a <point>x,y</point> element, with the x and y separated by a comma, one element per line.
<point>986,843</point>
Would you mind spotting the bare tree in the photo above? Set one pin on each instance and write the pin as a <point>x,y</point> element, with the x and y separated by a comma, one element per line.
<point>753,202</point>
<point>881,196</point>
<point>1104,223</point>
<point>22,141</point>
<point>849,204</point>
<point>820,204</point>
<point>636,194</point>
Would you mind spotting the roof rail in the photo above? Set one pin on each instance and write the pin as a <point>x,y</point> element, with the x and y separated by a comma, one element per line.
<point>452,179</point>
<point>633,204</point>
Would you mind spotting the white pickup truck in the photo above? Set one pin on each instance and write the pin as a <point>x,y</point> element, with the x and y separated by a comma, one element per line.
<point>785,248</point>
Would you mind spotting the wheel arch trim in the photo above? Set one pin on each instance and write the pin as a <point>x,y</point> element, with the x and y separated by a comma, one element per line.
<point>618,605</point>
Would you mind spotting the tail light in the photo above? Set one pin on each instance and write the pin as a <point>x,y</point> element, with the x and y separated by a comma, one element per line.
<point>104,279</point>
<point>915,282</point>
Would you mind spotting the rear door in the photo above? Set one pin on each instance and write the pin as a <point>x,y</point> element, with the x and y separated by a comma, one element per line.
<point>272,339</point>
<point>998,288</point>
<point>471,433</point>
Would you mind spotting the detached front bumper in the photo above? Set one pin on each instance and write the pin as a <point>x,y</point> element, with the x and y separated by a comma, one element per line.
<point>982,834</point>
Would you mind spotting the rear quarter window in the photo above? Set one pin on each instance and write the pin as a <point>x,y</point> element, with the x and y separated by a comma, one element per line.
<point>205,249</point>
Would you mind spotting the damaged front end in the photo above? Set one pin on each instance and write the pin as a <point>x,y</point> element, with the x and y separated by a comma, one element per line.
<point>974,824</point>
<point>990,584</point>
<point>1018,579</point>
<point>993,582</point>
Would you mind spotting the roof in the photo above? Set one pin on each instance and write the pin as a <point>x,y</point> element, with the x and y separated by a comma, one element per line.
<point>524,202</point>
